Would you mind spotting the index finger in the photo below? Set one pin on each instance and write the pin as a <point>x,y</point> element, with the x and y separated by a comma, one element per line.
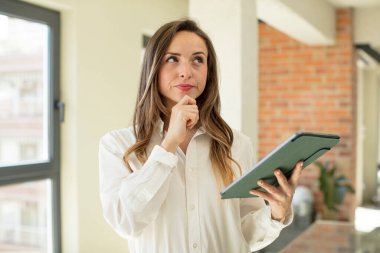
<point>296,174</point>
<point>187,100</point>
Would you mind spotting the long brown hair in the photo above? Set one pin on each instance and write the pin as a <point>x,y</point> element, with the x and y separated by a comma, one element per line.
<point>150,108</point>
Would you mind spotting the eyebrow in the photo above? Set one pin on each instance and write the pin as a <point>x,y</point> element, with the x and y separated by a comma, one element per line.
<point>195,53</point>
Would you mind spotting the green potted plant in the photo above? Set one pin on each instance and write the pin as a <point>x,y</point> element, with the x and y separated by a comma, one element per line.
<point>334,188</point>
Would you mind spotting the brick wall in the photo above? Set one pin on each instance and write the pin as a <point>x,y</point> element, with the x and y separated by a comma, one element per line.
<point>309,88</point>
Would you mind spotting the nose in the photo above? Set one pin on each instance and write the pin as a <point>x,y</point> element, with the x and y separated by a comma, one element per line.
<point>185,71</point>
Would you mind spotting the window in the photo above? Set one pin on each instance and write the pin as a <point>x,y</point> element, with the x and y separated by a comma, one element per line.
<point>29,128</point>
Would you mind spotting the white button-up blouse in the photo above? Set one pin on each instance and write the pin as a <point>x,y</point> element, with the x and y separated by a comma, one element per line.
<point>171,203</point>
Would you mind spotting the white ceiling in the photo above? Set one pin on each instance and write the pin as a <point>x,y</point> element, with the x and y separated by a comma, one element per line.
<point>354,3</point>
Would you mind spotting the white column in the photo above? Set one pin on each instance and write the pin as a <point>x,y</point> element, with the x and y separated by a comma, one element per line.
<point>378,116</point>
<point>232,26</point>
<point>370,145</point>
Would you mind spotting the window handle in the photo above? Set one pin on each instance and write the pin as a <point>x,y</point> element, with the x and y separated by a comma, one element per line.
<point>60,106</point>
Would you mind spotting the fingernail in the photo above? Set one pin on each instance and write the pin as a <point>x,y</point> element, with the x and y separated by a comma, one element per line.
<point>260,182</point>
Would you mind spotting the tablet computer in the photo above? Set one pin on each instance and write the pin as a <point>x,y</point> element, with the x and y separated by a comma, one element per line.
<point>304,146</point>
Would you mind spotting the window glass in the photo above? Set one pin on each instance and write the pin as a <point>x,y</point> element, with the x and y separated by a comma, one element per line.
<point>23,91</point>
<point>25,216</point>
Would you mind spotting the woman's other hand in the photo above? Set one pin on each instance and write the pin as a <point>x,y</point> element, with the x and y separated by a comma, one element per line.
<point>280,198</point>
<point>184,116</point>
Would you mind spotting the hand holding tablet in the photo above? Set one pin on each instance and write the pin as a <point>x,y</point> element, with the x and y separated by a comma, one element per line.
<point>304,146</point>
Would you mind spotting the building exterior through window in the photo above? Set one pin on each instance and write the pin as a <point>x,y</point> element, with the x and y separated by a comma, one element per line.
<point>29,165</point>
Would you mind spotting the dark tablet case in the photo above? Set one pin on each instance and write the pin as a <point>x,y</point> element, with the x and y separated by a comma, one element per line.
<point>304,146</point>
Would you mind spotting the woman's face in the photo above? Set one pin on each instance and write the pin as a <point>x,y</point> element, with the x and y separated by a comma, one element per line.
<point>183,70</point>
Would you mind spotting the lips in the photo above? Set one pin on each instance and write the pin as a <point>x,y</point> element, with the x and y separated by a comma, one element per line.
<point>184,87</point>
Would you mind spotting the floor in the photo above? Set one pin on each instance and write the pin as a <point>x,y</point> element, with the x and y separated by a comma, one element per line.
<point>331,236</point>
<point>334,237</point>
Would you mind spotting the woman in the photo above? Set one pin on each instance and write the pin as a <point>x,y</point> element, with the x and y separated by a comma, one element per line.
<point>160,179</point>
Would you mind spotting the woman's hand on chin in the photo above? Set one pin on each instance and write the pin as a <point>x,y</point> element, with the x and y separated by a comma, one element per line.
<point>184,116</point>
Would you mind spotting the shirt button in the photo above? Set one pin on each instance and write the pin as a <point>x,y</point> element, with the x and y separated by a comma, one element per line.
<point>195,245</point>
<point>192,207</point>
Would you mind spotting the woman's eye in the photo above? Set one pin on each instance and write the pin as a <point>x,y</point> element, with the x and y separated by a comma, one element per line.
<point>198,59</point>
<point>172,59</point>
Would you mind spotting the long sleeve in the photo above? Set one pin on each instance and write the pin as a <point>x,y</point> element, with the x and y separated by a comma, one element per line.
<point>257,226</point>
<point>131,201</point>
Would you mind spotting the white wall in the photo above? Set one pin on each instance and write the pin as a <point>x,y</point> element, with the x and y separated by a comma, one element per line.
<point>101,54</point>
<point>366,28</point>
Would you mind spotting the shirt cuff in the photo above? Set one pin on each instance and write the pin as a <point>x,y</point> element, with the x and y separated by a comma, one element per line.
<point>277,224</point>
<point>161,155</point>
